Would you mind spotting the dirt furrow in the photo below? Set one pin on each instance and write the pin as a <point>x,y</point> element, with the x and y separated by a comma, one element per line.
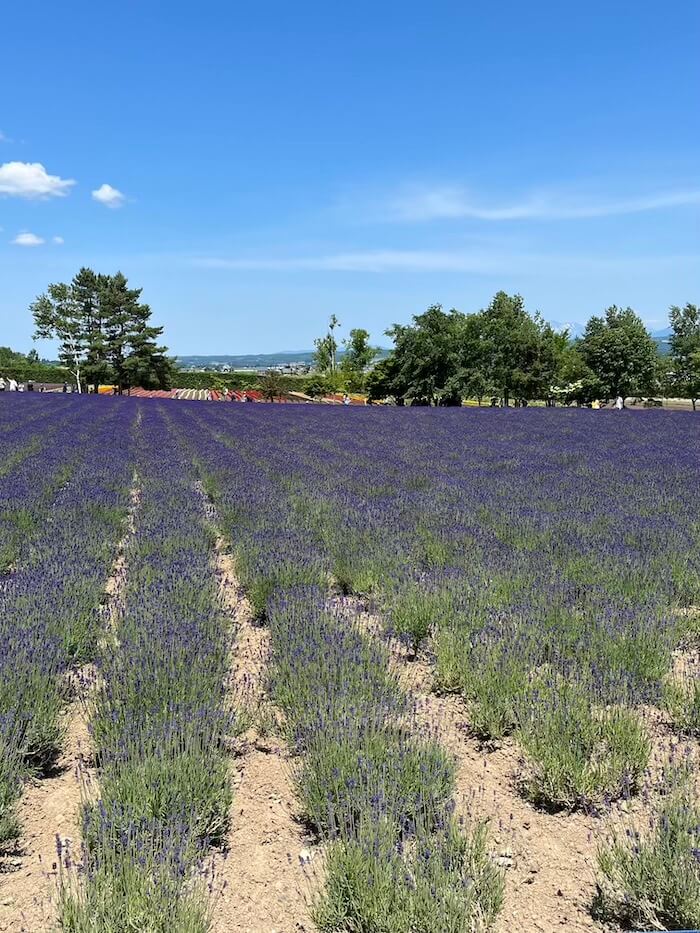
<point>49,810</point>
<point>548,859</point>
<point>259,882</point>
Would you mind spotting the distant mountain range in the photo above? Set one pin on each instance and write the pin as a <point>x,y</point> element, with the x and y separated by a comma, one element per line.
<point>661,337</point>
<point>256,360</point>
<point>576,330</point>
<point>305,357</point>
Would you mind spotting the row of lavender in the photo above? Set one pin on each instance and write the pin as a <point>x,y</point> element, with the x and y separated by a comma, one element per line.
<point>64,489</point>
<point>540,559</point>
<point>161,717</point>
<point>545,560</point>
<point>376,788</point>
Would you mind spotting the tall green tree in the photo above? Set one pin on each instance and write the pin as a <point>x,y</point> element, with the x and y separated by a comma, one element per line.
<point>511,345</point>
<point>130,341</point>
<point>385,381</point>
<point>357,357</point>
<point>620,353</point>
<point>685,351</point>
<point>326,349</point>
<point>58,315</point>
<point>87,288</point>
<point>443,357</point>
<point>104,331</point>
<point>333,324</point>
<point>427,357</point>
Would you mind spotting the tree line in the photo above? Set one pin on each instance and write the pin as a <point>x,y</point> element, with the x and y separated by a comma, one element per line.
<point>103,332</point>
<point>505,354</point>
<point>502,353</point>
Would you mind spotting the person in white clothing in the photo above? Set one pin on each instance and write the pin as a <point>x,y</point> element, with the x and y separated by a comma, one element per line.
<point>619,403</point>
<point>12,385</point>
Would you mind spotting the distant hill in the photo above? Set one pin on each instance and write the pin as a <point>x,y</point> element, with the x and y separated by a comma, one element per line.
<point>576,330</point>
<point>662,338</point>
<point>254,360</point>
<point>259,361</point>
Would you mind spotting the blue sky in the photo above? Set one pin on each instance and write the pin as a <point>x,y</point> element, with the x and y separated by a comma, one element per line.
<point>257,167</point>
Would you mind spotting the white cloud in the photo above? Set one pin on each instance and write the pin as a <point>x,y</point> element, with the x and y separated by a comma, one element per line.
<point>454,203</point>
<point>28,239</point>
<point>109,196</point>
<point>31,180</point>
<point>58,240</point>
<point>476,262</point>
<point>370,261</point>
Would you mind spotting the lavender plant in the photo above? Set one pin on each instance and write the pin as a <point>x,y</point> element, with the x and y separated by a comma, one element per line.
<point>161,716</point>
<point>61,514</point>
<point>540,558</point>
<point>649,877</point>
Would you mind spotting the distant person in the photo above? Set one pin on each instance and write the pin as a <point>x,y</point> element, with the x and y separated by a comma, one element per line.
<point>12,385</point>
<point>65,386</point>
<point>595,404</point>
<point>30,385</point>
<point>619,403</point>
<point>2,384</point>
<point>346,399</point>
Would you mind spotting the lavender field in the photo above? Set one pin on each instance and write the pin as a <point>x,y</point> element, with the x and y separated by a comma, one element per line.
<point>466,640</point>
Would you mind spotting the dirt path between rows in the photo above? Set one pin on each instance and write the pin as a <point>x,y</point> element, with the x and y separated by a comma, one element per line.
<point>261,883</point>
<point>49,809</point>
<point>548,859</point>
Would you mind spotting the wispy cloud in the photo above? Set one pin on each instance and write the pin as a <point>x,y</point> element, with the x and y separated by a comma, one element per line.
<point>28,239</point>
<point>58,240</point>
<point>366,261</point>
<point>31,180</point>
<point>475,262</point>
<point>109,196</point>
<point>445,203</point>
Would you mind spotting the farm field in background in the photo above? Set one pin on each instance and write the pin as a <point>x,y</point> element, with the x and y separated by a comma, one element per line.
<point>347,669</point>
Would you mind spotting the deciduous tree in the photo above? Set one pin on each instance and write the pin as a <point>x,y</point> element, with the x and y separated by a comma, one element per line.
<point>58,315</point>
<point>357,356</point>
<point>685,351</point>
<point>620,353</point>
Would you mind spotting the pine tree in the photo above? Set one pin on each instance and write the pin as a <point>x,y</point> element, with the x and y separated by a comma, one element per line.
<point>104,331</point>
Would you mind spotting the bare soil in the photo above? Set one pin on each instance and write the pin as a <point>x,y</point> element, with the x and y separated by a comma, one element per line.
<point>261,884</point>
<point>49,808</point>
<point>548,859</point>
